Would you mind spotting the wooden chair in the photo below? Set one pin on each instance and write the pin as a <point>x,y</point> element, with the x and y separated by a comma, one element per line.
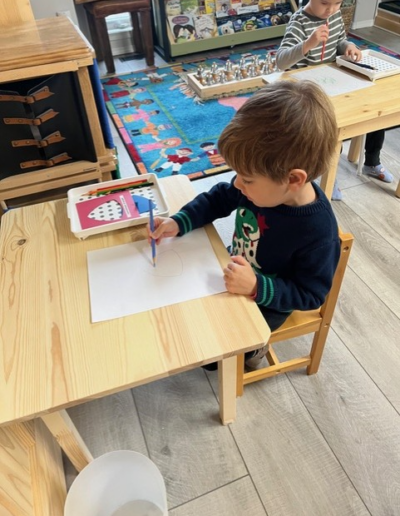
<point>298,324</point>
<point>142,32</point>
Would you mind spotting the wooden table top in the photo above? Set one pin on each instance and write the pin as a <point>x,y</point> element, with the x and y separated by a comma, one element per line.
<point>369,109</point>
<point>40,42</point>
<point>52,357</point>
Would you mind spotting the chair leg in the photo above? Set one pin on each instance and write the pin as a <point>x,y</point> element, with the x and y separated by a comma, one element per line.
<point>327,310</point>
<point>317,349</point>
<point>147,35</point>
<point>398,190</point>
<point>103,36</point>
<point>136,33</point>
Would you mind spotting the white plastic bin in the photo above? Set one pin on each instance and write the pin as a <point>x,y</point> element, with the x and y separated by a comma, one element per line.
<point>119,483</point>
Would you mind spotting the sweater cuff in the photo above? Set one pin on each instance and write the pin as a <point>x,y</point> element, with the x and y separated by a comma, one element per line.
<point>183,221</point>
<point>265,290</point>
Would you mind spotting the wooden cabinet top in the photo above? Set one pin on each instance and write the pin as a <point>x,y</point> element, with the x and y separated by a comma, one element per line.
<point>41,42</point>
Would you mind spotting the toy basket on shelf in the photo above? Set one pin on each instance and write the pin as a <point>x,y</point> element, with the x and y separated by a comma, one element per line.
<point>347,15</point>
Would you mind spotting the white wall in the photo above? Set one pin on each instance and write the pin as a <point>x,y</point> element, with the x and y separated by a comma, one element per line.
<point>364,15</point>
<point>49,8</point>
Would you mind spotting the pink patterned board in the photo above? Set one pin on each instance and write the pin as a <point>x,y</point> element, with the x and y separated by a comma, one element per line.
<point>106,209</point>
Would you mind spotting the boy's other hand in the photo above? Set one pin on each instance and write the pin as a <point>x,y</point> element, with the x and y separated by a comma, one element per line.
<point>239,277</point>
<point>353,52</point>
<point>163,227</point>
<point>320,35</point>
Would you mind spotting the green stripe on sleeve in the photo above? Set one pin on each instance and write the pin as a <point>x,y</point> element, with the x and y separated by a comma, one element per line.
<point>183,221</point>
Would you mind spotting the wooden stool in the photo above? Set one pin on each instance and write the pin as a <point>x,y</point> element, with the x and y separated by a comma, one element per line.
<point>142,29</point>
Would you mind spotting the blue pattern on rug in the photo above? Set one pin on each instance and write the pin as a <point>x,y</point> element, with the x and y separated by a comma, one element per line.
<point>164,127</point>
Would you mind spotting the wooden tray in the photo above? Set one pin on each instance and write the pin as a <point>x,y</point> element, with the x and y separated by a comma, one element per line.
<point>216,90</point>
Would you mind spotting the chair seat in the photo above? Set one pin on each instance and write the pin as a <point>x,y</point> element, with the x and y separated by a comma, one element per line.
<point>105,8</point>
<point>296,324</point>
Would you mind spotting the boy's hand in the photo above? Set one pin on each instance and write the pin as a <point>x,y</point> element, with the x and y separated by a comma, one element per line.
<point>320,35</point>
<point>163,227</point>
<point>353,52</point>
<point>239,277</point>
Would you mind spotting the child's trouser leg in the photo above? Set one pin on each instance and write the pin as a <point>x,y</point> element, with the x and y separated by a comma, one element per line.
<point>372,165</point>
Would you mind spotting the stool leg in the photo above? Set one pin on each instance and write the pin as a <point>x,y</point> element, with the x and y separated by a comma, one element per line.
<point>93,33</point>
<point>361,155</point>
<point>136,33</point>
<point>102,34</point>
<point>147,35</point>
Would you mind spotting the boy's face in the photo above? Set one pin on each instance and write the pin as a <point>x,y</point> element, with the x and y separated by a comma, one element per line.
<point>323,8</point>
<point>262,191</point>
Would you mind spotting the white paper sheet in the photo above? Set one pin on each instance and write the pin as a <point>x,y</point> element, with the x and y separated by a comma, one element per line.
<point>332,80</point>
<point>123,281</point>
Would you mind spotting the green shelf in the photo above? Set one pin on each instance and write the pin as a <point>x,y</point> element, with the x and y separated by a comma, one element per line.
<point>228,40</point>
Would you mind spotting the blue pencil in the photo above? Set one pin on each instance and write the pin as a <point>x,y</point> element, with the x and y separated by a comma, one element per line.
<point>153,242</point>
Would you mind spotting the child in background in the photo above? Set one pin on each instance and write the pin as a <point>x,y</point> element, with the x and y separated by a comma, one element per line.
<point>285,245</point>
<point>317,24</point>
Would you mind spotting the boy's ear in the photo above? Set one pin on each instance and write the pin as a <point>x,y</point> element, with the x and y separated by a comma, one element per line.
<point>297,178</point>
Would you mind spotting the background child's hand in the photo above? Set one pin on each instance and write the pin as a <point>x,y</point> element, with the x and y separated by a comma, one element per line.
<point>239,277</point>
<point>320,35</point>
<point>353,52</point>
<point>163,227</point>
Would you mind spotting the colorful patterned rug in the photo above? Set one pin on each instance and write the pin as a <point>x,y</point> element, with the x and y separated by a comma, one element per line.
<point>164,126</point>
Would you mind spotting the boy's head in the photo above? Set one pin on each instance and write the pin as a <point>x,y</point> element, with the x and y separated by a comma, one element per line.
<point>284,126</point>
<point>322,8</point>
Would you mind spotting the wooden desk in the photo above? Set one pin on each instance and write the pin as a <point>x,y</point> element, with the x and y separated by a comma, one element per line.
<point>361,112</point>
<point>52,357</point>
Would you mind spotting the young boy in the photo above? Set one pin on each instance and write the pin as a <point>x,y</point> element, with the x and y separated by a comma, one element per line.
<point>315,35</point>
<point>285,245</point>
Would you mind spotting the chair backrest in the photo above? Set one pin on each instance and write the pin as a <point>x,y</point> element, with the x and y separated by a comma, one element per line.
<point>14,12</point>
<point>302,323</point>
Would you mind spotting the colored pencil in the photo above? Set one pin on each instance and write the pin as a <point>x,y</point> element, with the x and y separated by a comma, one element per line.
<point>323,45</point>
<point>118,189</point>
<point>362,65</point>
<point>120,185</point>
<point>153,242</point>
<point>124,186</point>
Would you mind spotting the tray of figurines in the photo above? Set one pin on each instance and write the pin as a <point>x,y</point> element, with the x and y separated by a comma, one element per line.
<point>217,81</point>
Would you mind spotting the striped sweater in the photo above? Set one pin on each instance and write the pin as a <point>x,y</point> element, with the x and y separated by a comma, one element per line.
<point>293,250</point>
<point>300,27</point>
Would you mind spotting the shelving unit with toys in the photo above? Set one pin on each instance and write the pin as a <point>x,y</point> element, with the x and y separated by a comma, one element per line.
<point>188,26</point>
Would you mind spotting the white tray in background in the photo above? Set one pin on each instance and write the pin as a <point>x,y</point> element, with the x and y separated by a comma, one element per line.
<point>385,65</point>
<point>155,193</point>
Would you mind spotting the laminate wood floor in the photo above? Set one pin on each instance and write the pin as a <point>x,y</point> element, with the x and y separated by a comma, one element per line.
<point>322,445</point>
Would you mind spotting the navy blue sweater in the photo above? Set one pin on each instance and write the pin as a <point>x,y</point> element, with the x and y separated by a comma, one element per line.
<point>294,250</point>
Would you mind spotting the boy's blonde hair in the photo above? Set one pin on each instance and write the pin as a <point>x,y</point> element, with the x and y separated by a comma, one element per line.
<point>285,125</point>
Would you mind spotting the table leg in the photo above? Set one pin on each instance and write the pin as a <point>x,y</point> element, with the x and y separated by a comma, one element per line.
<point>354,149</point>
<point>397,193</point>
<point>328,179</point>
<point>68,437</point>
<point>32,481</point>
<point>227,389</point>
